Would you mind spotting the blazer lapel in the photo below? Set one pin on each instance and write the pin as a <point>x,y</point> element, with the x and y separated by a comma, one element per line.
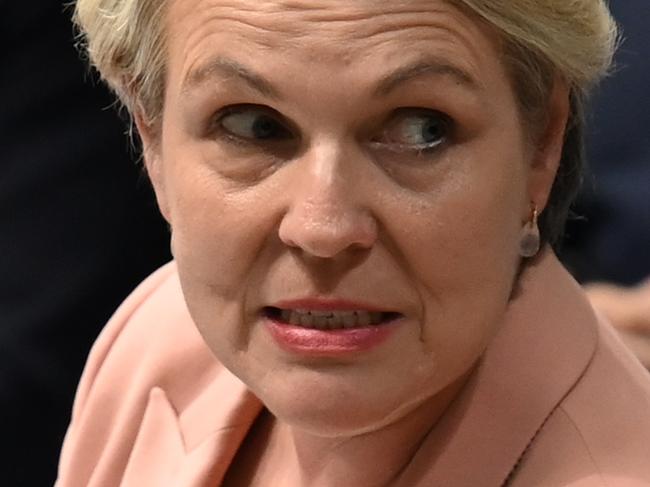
<point>214,427</point>
<point>195,449</point>
<point>158,448</point>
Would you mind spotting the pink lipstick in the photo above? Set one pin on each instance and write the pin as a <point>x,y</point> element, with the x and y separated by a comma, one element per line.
<point>328,327</point>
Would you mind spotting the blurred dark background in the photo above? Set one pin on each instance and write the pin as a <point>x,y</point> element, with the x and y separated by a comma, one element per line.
<point>79,228</point>
<point>610,239</point>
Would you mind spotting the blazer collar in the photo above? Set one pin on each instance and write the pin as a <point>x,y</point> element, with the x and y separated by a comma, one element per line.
<point>544,345</point>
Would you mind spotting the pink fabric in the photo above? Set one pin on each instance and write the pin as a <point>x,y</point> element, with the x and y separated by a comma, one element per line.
<point>556,401</point>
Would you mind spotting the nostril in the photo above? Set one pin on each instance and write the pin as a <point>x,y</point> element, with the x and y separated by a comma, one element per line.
<point>327,231</point>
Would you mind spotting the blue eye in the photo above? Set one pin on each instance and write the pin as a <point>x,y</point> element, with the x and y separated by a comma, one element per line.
<point>416,129</point>
<point>253,123</point>
<point>422,130</point>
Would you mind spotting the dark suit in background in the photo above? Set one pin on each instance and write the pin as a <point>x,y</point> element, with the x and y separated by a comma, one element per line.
<point>612,243</point>
<point>78,230</point>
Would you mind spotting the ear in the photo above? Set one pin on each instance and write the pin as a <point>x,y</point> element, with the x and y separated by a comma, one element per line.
<point>547,149</point>
<point>152,155</point>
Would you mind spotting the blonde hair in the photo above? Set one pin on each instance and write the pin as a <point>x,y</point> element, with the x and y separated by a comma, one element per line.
<point>541,40</point>
<point>125,41</point>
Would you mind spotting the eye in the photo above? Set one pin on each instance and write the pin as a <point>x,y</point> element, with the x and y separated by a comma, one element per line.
<point>253,123</point>
<point>415,129</point>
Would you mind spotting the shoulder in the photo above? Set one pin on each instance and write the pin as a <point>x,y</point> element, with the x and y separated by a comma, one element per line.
<point>148,332</point>
<point>599,435</point>
<point>122,322</point>
<point>148,357</point>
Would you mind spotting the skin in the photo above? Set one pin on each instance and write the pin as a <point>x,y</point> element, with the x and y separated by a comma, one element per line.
<point>345,206</point>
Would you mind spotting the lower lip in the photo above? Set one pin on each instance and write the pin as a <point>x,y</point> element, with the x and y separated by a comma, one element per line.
<point>310,341</point>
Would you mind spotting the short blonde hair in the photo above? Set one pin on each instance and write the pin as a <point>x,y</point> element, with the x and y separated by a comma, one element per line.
<point>541,40</point>
<point>125,41</point>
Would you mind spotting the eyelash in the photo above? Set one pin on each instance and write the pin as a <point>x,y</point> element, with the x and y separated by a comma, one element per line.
<point>221,131</point>
<point>445,123</point>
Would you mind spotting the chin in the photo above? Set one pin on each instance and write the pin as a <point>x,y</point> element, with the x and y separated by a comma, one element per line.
<point>333,404</point>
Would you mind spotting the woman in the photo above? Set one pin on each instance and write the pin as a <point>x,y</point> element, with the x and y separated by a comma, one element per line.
<point>362,196</point>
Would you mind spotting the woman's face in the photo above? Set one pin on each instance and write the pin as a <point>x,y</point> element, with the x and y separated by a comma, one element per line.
<point>325,157</point>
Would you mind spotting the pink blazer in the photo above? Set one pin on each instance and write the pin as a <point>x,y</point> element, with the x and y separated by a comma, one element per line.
<point>556,401</point>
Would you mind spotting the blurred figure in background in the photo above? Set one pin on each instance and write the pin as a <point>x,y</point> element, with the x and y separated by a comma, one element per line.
<point>78,229</point>
<point>609,249</point>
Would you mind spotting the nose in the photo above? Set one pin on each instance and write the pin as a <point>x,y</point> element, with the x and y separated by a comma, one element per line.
<point>327,213</point>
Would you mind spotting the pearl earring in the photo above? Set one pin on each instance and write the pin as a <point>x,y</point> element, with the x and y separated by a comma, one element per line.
<point>530,240</point>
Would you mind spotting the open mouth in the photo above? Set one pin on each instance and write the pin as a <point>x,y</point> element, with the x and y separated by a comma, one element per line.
<point>329,320</point>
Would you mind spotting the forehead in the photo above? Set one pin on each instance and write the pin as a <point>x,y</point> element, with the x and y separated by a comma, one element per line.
<point>334,31</point>
<point>302,19</point>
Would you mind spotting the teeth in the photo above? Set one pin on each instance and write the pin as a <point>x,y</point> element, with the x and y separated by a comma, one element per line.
<point>330,320</point>
<point>334,322</point>
<point>349,320</point>
<point>306,320</point>
<point>324,314</point>
<point>363,319</point>
<point>320,321</point>
<point>294,318</point>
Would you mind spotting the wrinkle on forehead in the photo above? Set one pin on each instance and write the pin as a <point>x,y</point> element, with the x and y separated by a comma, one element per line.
<point>343,26</point>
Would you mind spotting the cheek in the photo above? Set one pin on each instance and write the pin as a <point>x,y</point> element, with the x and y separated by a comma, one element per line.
<point>464,258</point>
<point>218,236</point>
<point>470,227</point>
<point>217,232</point>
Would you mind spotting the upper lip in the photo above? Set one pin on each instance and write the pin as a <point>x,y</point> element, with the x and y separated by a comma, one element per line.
<point>328,304</point>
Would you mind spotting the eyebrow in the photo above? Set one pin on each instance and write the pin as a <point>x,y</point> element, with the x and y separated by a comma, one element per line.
<point>221,67</point>
<point>425,67</point>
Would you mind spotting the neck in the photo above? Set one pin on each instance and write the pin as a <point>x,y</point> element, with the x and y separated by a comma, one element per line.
<point>373,459</point>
